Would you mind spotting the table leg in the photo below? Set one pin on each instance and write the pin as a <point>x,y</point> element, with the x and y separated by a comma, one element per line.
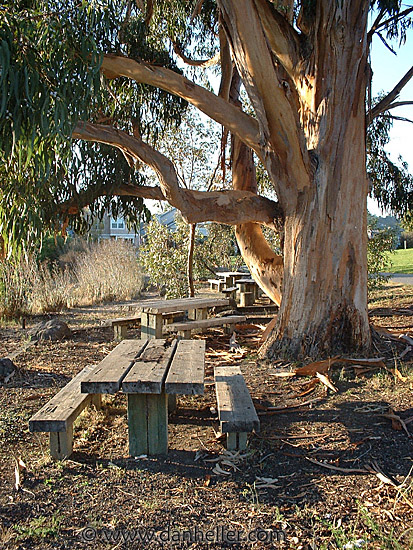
<point>61,443</point>
<point>148,424</point>
<point>201,314</point>
<point>151,326</point>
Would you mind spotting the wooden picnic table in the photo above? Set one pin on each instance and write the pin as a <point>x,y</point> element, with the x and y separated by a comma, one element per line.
<point>231,276</point>
<point>148,372</point>
<point>248,290</point>
<point>152,311</point>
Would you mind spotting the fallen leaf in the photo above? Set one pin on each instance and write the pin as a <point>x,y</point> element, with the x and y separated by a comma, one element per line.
<point>397,374</point>
<point>318,366</point>
<point>326,381</point>
<point>219,471</point>
<point>308,388</point>
<point>19,467</point>
<point>396,422</point>
<point>207,480</point>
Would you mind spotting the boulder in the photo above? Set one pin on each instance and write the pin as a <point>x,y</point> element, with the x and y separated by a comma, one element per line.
<point>50,330</point>
<point>7,369</point>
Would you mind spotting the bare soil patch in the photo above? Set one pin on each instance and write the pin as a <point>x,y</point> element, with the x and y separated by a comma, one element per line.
<point>283,487</point>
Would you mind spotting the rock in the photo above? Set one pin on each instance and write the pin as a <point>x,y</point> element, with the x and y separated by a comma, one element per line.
<point>7,369</point>
<point>50,330</point>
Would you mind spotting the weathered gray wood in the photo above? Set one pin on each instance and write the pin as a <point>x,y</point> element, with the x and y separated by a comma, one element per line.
<point>60,412</point>
<point>120,332</point>
<point>61,443</point>
<point>186,373</point>
<point>181,304</point>
<point>184,334</point>
<point>149,370</point>
<point>147,424</point>
<point>235,407</point>
<point>125,320</point>
<point>205,323</point>
<point>236,441</point>
<point>151,325</point>
<point>107,376</point>
<point>219,283</point>
<point>246,299</point>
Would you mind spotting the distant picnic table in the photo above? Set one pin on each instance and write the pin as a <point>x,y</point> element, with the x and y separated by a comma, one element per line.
<point>153,310</point>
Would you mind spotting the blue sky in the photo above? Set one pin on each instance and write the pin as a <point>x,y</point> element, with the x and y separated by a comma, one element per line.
<point>388,69</point>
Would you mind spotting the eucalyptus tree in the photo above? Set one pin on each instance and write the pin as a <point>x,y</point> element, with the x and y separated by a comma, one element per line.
<point>106,73</point>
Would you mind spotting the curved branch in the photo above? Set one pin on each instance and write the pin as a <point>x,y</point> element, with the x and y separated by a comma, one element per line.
<point>398,104</point>
<point>239,123</point>
<point>385,103</point>
<point>229,207</point>
<point>195,62</point>
<point>284,40</point>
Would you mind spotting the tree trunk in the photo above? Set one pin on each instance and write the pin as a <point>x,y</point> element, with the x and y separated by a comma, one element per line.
<point>190,263</point>
<point>315,157</point>
<point>324,293</point>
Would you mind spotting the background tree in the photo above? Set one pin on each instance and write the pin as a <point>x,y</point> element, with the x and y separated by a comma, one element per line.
<point>304,67</point>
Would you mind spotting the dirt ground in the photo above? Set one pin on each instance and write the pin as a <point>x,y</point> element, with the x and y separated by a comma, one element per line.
<point>327,470</point>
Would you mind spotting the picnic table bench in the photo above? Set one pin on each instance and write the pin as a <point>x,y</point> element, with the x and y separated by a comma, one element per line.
<point>58,415</point>
<point>185,328</point>
<point>120,325</point>
<point>236,411</point>
<point>147,371</point>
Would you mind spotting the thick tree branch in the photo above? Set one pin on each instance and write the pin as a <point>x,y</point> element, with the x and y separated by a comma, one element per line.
<point>282,37</point>
<point>385,103</point>
<point>239,123</point>
<point>195,62</point>
<point>230,207</point>
<point>272,98</point>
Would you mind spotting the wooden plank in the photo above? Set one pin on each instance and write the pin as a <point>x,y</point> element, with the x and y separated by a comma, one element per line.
<point>206,323</point>
<point>61,443</point>
<point>137,424</point>
<point>181,304</point>
<point>60,412</point>
<point>148,372</point>
<point>235,407</point>
<point>151,326</point>
<point>147,424</point>
<point>107,376</point>
<point>125,320</point>
<point>157,424</point>
<point>186,374</point>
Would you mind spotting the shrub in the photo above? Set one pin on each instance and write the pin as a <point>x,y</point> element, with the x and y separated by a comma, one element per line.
<point>164,257</point>
<point>379,245</point>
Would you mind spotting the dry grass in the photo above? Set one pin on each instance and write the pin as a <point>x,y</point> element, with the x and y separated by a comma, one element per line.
<point>95,273</point>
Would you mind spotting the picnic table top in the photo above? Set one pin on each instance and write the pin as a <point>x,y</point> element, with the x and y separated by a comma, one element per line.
<point>230,273</point>
<point>181,304</point>
<point>245,280</point>
<point>142,366</point>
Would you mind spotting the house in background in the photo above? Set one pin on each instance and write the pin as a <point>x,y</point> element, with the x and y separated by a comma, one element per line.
<point>115,228</point>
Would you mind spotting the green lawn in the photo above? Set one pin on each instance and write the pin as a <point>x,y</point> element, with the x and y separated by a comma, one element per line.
<point>402,261</point>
